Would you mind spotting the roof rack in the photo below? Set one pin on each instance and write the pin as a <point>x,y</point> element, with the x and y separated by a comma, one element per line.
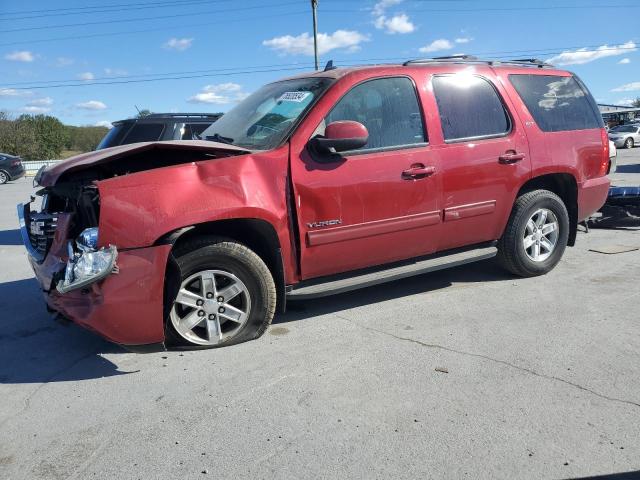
<point>178,115</point>
<point>525,62</point>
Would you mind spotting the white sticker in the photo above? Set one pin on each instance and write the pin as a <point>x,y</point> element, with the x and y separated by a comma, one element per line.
<point>293,96</point>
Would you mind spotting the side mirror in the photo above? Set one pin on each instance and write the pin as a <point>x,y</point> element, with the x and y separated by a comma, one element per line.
<point>342,136</point>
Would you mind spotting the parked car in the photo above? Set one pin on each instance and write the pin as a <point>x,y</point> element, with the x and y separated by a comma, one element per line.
<point>158,126</point>
<point>11,168</point>
<point>626,136</point>
<point>613,158</point>
<point>319,184</point>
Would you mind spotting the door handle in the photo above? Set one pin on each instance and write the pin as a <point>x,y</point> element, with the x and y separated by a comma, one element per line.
<point>418,170</point>
<point>510,157</point>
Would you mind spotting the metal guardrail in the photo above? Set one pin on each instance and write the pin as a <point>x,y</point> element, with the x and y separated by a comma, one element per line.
<point>32,166</point>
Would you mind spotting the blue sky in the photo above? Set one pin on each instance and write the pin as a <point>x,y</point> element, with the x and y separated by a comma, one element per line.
<point>230,48</point>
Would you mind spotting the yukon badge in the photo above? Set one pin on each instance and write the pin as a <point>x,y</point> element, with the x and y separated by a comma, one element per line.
<point>324,223</point>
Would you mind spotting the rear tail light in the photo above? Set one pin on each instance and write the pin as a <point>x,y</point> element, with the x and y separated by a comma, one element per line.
<point>16,162</point>
<point>604,163</point>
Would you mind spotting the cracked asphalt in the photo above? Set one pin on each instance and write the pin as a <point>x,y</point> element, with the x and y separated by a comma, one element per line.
<point>463,373</point>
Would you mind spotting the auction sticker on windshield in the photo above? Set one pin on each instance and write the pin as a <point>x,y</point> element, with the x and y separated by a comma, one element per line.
<point>294,96</point>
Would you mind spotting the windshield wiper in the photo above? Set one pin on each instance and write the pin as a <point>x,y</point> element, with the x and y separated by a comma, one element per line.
<point>219,138</point>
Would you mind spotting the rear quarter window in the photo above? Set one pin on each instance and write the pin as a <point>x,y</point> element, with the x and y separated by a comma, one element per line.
<point>557,103</point>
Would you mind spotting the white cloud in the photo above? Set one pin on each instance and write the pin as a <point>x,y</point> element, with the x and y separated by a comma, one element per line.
<point>463,40</point>
<point>625,102</point>
<point>624,61</point>
<point>20,56</point>
<point>627,87</point>
<point>178,44</point>
<point>584,55</point>
<point>103,123</point>
<point>86,76</point>
<point>437,45</point>
<point>396,24</point>
<point>41,102</point>
<point>380,7</point>
<point>35,109</point>
<point>12,92</point>
<point>91,105</point>
<point>114,71</point>
<point>64,61</point>
<point>219,94</point>
<point>303,44</point>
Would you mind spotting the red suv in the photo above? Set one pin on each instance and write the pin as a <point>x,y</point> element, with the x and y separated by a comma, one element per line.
<point>318,184</point>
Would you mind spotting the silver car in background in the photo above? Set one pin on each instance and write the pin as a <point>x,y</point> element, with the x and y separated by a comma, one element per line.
<point>626,136</point>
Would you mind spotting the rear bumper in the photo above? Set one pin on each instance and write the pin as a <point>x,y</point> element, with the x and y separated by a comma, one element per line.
<point>16,172</point>
<point>125,308</point>
<point>592,194</point>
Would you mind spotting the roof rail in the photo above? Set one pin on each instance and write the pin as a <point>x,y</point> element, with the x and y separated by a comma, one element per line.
<point>530,62</point>
<point>159,115</point>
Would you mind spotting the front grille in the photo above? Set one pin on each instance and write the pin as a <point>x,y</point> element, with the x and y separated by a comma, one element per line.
<point>42,228</point>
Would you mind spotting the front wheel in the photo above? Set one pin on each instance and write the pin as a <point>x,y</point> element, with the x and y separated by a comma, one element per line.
<point>536,235</point>
<point>628,143</point>
<point>226,296</point>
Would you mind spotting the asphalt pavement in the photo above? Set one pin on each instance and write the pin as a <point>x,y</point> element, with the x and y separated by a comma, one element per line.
<point>466,373</point>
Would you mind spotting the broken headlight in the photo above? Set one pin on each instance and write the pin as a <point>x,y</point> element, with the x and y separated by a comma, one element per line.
<point>89,264</point>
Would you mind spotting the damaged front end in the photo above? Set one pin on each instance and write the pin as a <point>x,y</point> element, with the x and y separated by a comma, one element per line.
<point>92,263</point>
<point>69,213</point>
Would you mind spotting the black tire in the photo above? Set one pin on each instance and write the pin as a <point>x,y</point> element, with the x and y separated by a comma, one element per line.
<point>628,143</point>
<point>511,249</point>
<point>4,177</point>
<point>216,253</point>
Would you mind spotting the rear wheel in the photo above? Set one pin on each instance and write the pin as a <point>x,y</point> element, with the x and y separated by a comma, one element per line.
<point>226,296</point>
<point>4,178</point>
<point>628,143</point>
<point>536,235</point>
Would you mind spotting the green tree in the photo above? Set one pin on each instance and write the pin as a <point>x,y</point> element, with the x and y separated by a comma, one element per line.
<point>636,103</point>
<point>33,137</point>
<point>143,113</point>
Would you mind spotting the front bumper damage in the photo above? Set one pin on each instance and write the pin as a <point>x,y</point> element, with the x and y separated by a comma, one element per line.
<point>125,307</point>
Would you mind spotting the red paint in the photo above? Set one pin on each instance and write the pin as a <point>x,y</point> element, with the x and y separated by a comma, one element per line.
<point>370,229</point>
<point>345,129</point>
<point>390,205</point>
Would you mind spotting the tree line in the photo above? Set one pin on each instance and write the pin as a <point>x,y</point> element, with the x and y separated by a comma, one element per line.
<point>43,137</point>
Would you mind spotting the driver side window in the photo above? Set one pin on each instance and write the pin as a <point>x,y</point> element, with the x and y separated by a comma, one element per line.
<point>388,107</point>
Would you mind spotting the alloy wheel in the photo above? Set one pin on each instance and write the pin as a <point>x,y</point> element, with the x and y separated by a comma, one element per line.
<point>541,235</point>
<point>211,307</point>
<point>3,178</point>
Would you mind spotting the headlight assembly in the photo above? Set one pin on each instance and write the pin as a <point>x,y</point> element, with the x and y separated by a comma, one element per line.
<point>88,265</point>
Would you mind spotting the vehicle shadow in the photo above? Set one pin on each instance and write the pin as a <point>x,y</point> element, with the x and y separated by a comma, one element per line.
<point>485,271</point>
<point>36,349</point>
<point>10,237</point>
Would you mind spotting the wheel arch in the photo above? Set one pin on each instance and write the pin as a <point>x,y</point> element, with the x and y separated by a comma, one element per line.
<point>256,234</point>
<point>566,187</point>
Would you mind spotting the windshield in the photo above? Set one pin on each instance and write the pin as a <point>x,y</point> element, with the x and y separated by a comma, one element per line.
<point>263,119</point>
<point>625,129</point>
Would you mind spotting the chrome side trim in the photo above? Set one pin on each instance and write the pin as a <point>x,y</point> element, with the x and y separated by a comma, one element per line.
<point>22,220</point>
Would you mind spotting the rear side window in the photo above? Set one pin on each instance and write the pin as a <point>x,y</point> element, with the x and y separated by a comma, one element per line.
<point>145,132</point>
<point>469,107</point>
<point>192,131</point>
<point>388,107</point>
<point>114,136</point>
<point>557,103</point>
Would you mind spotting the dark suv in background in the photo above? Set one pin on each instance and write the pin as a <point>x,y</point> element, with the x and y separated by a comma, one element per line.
<point>11,168</point>
<point>157,127</point>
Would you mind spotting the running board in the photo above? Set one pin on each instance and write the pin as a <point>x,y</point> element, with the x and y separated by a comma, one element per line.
<point>362,280</point>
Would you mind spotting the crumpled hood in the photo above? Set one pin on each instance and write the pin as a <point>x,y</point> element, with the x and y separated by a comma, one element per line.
<point>50,175</point>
